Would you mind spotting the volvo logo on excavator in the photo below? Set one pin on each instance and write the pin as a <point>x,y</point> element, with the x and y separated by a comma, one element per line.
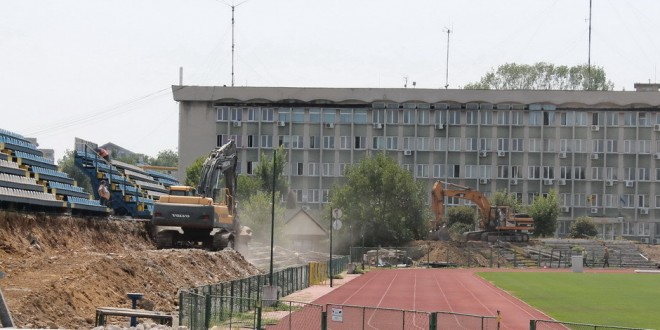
<point>178,215</point>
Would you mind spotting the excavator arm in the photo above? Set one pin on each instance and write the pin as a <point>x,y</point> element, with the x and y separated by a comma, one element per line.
<point>439,193</point>
<point>222,160</point>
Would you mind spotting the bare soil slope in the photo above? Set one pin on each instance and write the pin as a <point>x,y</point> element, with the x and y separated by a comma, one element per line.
<point>59,269</point>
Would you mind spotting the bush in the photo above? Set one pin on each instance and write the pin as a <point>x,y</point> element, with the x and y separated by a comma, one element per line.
<point>583,227</point>
<point>457,229</point>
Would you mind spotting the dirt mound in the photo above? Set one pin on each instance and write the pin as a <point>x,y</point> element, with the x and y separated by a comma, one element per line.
<point>475,254</point>
<point>59,269</point>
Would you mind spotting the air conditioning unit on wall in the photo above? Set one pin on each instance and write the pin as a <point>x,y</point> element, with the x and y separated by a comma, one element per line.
<point>643,210</point>
<point>439,126</point>
<point>378,125</point>
<point>595,128</point>
<point>483,181</point>
<point>501,153</point>
<point>329,125</point>
<point>594,156</point>
<point>565,209</point>
<point>236,124</point>
<point>281,123</point>
<point>407,152</point>
<point>594,210</point>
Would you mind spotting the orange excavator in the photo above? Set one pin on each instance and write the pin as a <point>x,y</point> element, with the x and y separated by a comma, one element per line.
<point>495,222</point>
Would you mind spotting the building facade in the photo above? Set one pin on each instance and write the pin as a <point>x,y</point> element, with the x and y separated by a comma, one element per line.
<point>598,150</point>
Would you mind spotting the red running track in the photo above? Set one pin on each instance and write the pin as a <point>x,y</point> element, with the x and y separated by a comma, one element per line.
<point>449,290</point>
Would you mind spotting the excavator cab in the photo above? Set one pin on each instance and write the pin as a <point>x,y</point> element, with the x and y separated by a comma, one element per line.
<point>182,191</point>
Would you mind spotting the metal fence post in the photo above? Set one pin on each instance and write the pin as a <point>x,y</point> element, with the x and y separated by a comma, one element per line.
<point>491,257</point>
<point>181,308</point>
<point>207,311</point>
<point>433,321</point>
<point>324,320</point>
<point>532,324</point>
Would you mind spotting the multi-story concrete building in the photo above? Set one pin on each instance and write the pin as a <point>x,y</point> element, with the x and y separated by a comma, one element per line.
<point>599,150</point>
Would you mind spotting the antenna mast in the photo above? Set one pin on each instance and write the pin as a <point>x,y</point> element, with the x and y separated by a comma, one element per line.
<point>232,45</point>
<point>447,67</point>
<point>589,57</point>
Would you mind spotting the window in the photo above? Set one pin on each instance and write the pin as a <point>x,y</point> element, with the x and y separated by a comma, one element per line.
<point>236,114</point>
<point>251,141</point>
<point>315,115</point>
<point>471,144</point>
<point>486,118</point>
<point>439,170</point>
<point>534,172</point>
<point>610,173</point>
<point>454,144</point>
<point>485,144</point>
<point>392,116</point>
<point>516,118</point>
<point>285,141</point>
<point>502,172</point>
<point>611,145</point>
<point>643,174</point>
<point>580,145</point>
<point>392,143</point>
<point>266,141</point>
<point>408,117</point>
<point>253,114</point>
<point>345,116</point>
<point>502,144</point>
<point>629,119</point>
<point>612,119</point>
<point>314,142</point>
<point>454,171</point>
<point>360,116</point>
<point>329,115</point>
<point>470,172</point>
<point>565,172</point>
<point>471,117</point>
<point>644,147</point>
<point>360,142</point>
<point>440,117</point>
<point>629,146</point>
<point>454,117</point>
<point>267,114</point>
<point>297,142</point>
<point>251,166</point>
<point>298,115</point>
<point>299,169</point>
<point>517,144</point>
<point>284,114</point>
<point>222,114</point>
<point>423,117</point>
<point>596,173</point>
<point>378,116</point>
<point>345,142</point>
<point>408,143</point>
<point>220,140</point>
<point>328,142</point>
<point>440,144</point>
<point>548,172</point>
<point>535,145</point>
<point>485,171</point>
<point>422,171</point>
<point>516,173</point>
<point>312,169</point>
<point>548,118</point>
<point>503,118</point>
<point>423,144</point>
<point>594,118</point>
<point>535,118</point>
<point>644,119</point>
<point>378,143</point>
<point>580,119</point>
<point>597,146</point>
<point>325,196</point>
<point>328,169</point>
<point>567,118</point>
<point>313,196</point>
<point>578,173</point>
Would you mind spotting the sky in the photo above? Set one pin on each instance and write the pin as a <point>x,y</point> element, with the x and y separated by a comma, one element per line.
<point>102,70</point>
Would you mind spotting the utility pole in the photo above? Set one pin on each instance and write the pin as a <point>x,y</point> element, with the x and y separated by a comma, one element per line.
<point>589,56</point>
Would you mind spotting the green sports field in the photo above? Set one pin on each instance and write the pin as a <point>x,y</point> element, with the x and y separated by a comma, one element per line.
<point>631,300</point>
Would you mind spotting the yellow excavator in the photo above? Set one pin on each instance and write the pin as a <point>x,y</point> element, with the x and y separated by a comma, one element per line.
<point>187,217</point>
<point>495,222</point>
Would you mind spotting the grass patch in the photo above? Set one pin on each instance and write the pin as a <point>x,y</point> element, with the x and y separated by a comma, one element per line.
<point>629,300</point>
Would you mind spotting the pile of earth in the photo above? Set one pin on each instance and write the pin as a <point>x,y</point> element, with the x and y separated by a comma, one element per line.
<point>58,269</point>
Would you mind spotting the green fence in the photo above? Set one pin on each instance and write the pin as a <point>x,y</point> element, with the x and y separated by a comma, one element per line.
<point>199,306</point>
<point>551,325</point>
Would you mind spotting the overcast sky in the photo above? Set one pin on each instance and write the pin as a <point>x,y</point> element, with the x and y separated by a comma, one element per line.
<point>102,70</point>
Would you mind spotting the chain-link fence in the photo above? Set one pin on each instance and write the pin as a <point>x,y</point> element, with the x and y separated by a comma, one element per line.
<point>347,317</point>
<point>450,320</point>
<point>552,325</point>
<point>285,315</point>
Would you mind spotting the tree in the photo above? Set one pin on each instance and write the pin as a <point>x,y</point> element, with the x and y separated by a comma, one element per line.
<point>583,227</point>
<point>545,211</point>
<point>194,171</point>
<point>544,76</point>
<point>256,214</point>
<point>247,186</point>
<point>502,198</point>
<point>383,201</point>
<point>166,158</point>
<point>460,219</point>
<point>68,166</point>
<point>264,171</point>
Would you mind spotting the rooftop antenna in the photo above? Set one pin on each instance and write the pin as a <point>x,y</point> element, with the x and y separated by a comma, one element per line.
<point>233,46</point>
<point>405,81</point>
<point>589,57</point>
<point>448,30</point>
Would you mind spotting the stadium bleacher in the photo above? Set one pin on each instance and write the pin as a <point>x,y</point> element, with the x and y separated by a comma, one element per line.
<point>29,181</point>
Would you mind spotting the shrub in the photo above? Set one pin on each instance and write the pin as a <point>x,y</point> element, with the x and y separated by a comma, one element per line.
<point>583,227</point>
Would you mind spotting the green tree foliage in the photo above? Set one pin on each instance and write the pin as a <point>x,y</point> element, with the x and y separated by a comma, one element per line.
<point>247,186</point>
<point>194,171</point>
<point>165,158</point>
<point>256,213</point>
<point>583,227</point>
<point>68,166</point>
<point>461,214</point>
<point>502,198</point>
<point>264,171</point>
<point>545,211</point>
<point>544,76</point>
<point>382,200</point>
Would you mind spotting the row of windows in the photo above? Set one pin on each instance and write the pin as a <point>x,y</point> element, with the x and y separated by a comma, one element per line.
<point>583,200</point>
<point>444,143</point>
<point>451,117</point>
